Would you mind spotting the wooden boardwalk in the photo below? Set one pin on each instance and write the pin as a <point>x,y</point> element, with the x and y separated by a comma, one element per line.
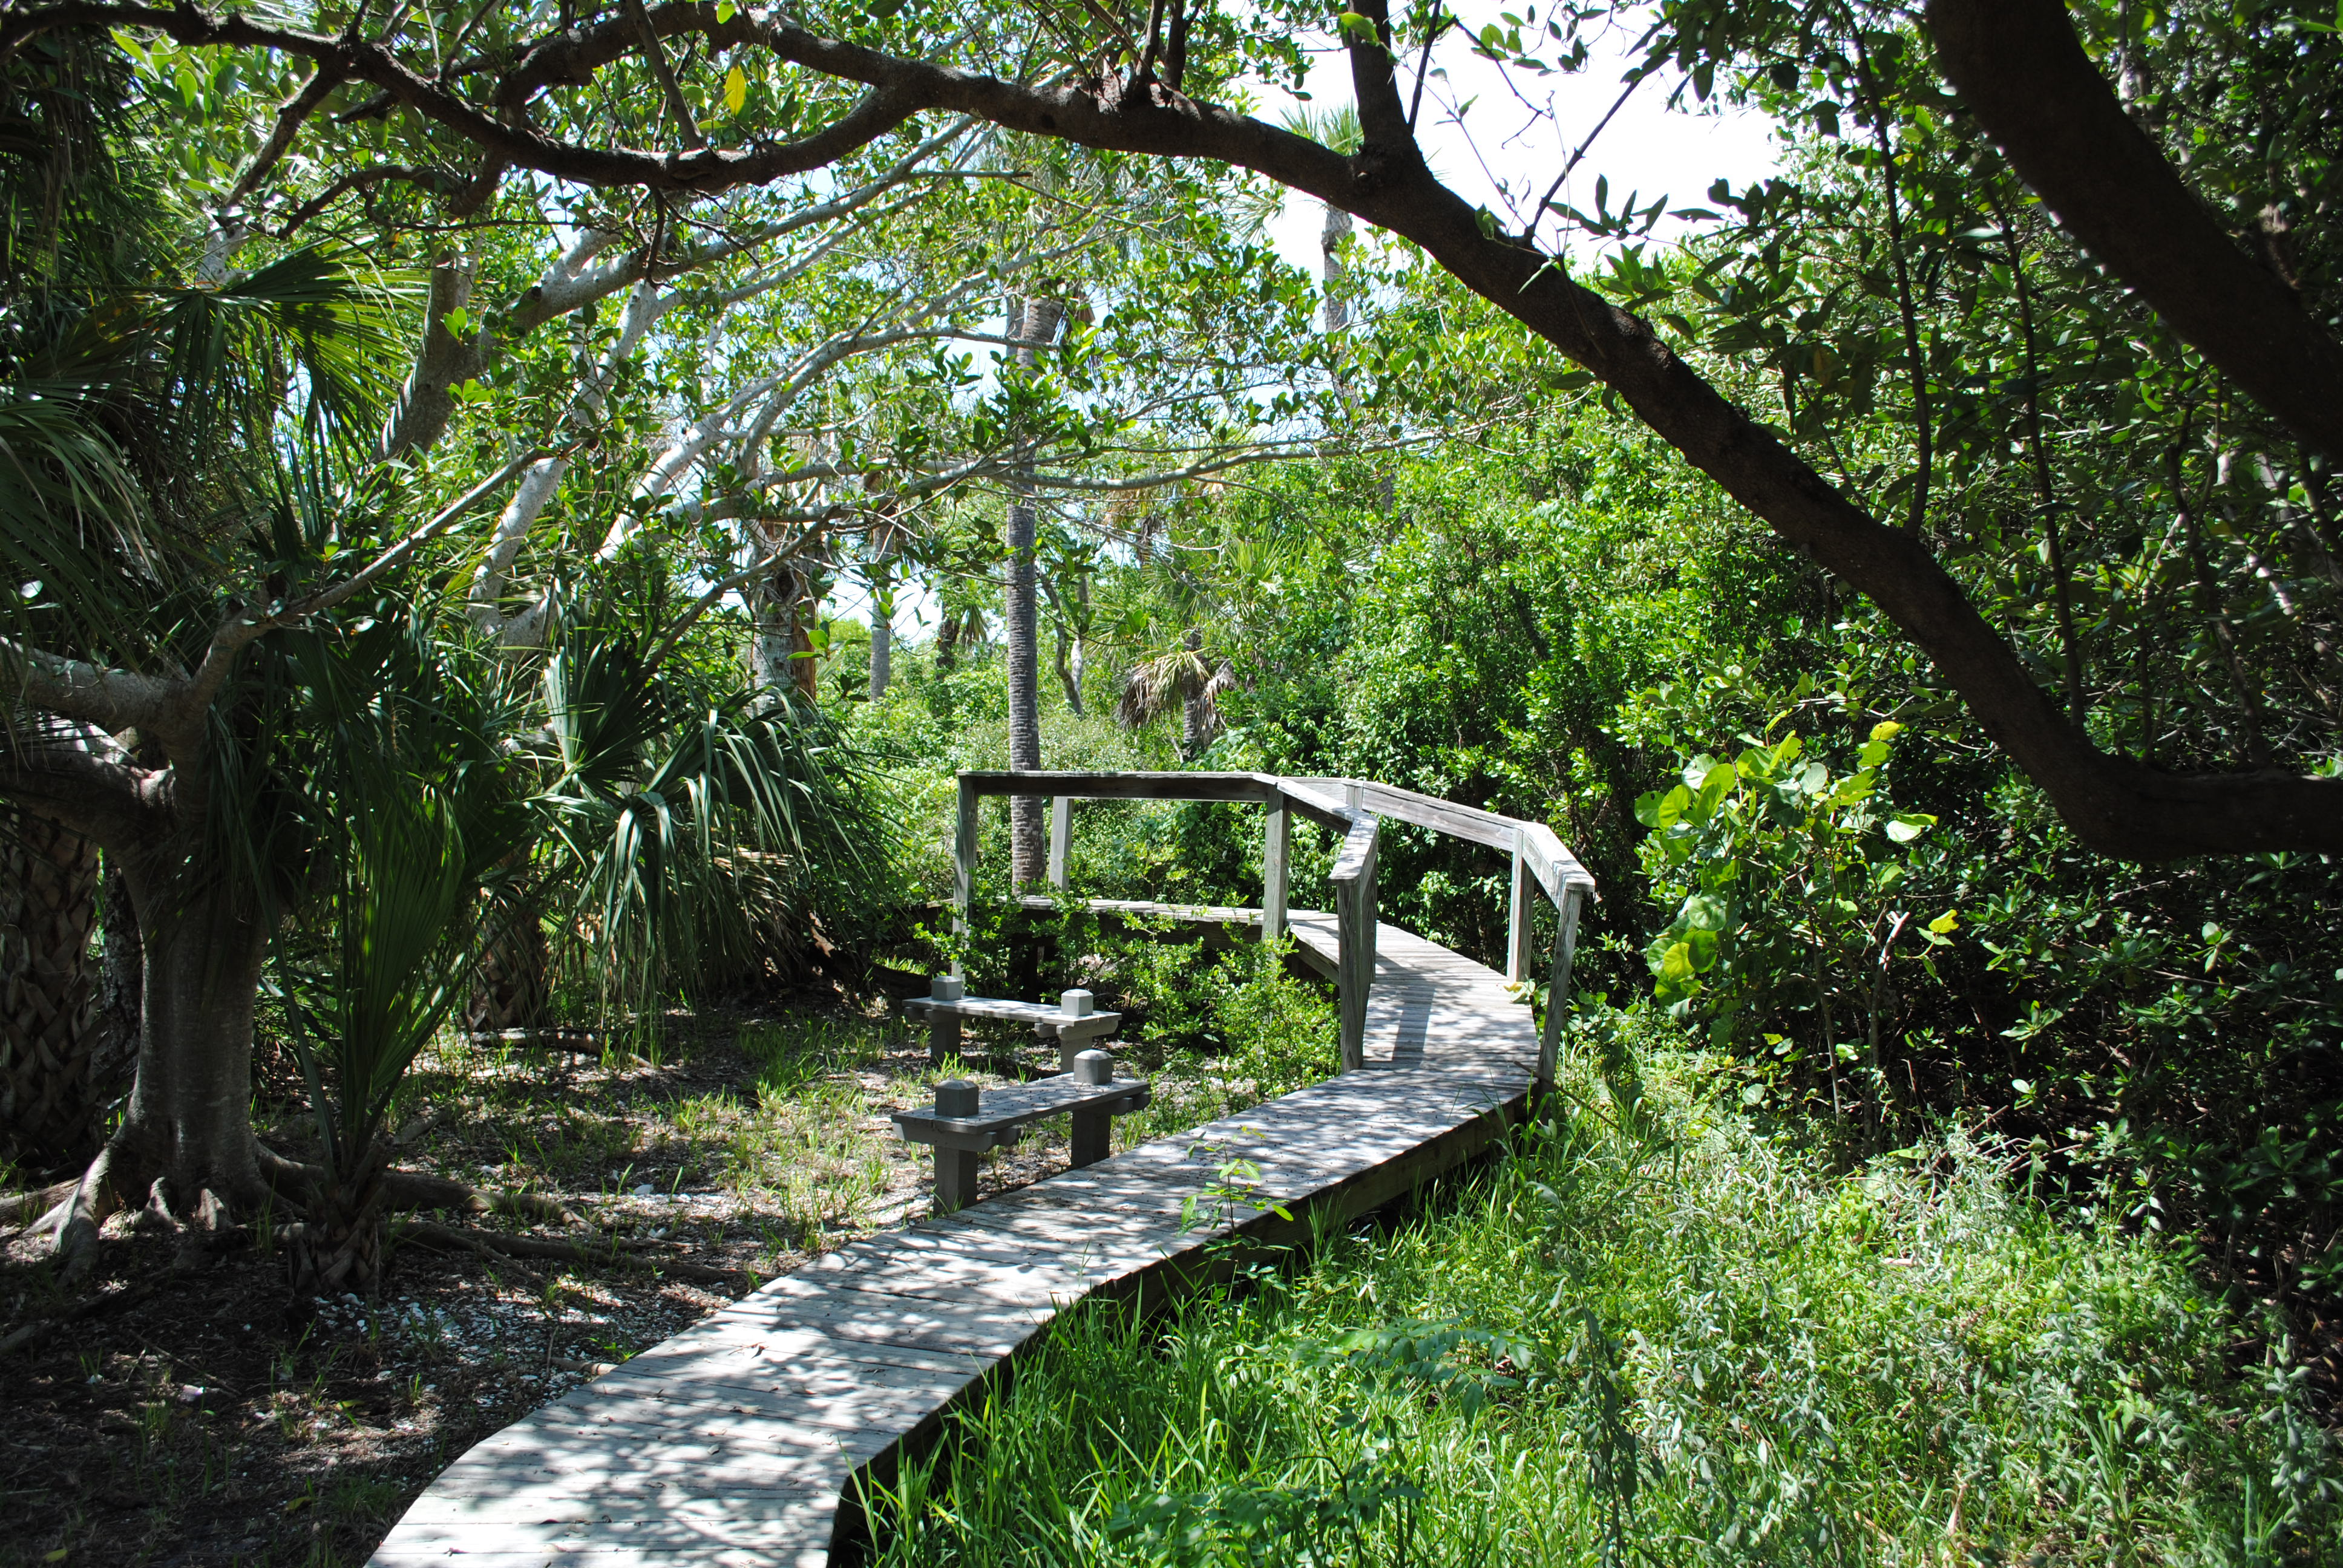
<point>734,1442</point>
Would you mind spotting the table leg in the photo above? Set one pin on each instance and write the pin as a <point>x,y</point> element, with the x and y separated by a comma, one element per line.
<point>955,1178</point>
<point>1093,1138</point>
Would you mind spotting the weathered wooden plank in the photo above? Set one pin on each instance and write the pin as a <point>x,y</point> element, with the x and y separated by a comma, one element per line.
<point>746,1333</point>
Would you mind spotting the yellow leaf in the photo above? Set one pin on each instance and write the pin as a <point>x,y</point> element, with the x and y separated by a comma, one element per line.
<point>736,90</point>
<point>1942,924</point>
<point>1886,730</point>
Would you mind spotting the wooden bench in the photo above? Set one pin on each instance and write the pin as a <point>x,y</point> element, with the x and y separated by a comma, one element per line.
<point>967,1121</point>
<point>1071,1023</point>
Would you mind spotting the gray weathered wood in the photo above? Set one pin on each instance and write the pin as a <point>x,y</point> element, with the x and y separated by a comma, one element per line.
<point>963,863</point>
<point>1072,1030</point>
<point>1002,1116</point>
<point>1005,1112</point>
<point>1276,844</point>
<point>1061,828</point>
<point>1132,785</point>
<point>1557,995</point>
<point>1354,906</point>
<point>1517,920</point>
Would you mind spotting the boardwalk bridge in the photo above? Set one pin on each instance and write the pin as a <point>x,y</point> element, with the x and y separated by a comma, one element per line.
<point>744,1440</point>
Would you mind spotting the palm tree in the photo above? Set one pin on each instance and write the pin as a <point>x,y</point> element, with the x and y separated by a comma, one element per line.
<point>1187,678</point>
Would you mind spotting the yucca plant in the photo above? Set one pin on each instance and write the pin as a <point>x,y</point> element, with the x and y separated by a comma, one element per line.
<point>430,815</point>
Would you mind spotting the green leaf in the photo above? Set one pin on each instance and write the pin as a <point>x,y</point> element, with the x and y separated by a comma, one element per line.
<point>1906,826</point>
<point>1701,912</point>
<point>1355,28</point>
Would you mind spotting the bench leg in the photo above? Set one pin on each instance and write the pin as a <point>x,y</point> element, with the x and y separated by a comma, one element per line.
<point>955,1178</point>
<point>1093,1138</point>
<point>943,1038</point>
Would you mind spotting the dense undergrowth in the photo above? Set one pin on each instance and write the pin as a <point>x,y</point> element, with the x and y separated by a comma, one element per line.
<point>1660,1332</point>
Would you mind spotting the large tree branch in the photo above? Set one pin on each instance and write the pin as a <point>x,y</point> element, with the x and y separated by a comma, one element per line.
<point>2115,805</point>
<point>2020,69</point>
<point>509,142</point>
<point>112,699</point>
<point>73,773</point>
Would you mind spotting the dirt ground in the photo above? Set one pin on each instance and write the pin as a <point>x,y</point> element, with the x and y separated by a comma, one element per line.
<point>208,1419</point>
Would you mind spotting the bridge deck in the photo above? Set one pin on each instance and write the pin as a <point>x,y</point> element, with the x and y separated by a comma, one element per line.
<point>733,1442</point>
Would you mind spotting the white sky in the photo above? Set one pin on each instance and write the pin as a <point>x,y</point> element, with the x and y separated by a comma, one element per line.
<point>1498,137</point>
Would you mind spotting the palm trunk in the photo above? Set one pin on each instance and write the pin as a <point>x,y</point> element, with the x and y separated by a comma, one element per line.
<point>1036,321</point>
<point>1195,721</point>
<point>48,1003</point>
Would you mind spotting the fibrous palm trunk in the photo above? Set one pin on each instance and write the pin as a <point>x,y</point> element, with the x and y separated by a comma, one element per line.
<point>339,1246</point>
<point>781,649</point>
<point>49,998</point>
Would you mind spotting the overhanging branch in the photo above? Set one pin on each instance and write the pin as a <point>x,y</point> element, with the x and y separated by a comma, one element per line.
<point>2023,73</point>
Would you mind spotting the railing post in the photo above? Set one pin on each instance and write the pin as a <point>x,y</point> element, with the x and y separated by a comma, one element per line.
<point>1557,994</point>
<point>1062,823</point>
<point>1517,927</point>
<point>1354,940</point>
<point>1275,847</point>
<point>963,863</point>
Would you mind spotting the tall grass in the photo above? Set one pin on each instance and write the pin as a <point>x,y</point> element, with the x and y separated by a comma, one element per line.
<point>1652,1334</point>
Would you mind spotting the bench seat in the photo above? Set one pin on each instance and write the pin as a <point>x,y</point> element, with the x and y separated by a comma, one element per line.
<point>1071,1023</point>
<point>966,1122</point>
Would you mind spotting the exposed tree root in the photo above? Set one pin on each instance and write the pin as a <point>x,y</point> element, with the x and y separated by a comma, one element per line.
<point>408,1191</point>
<point>27,1211</point>
<point>78,1211</point>
<point>488,1243</point>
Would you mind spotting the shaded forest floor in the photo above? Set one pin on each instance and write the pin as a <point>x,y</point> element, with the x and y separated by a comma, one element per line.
<point>203,1420</point>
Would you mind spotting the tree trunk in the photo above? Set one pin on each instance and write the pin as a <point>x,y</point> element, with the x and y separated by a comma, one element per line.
<point>186,1142</point>
<point>1336,229</point>
<point>48,1004</point>
<point>781,650</point>
<point>948,642</point>
<point>1069,669</point>
<point>512,984</point>
<point>1036,322</point>
<point>882,654</point>
<point>338,1247</point>
<point>121,987</point>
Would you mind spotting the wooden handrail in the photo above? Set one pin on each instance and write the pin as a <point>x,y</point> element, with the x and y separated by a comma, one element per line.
<point>1351,807</point>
